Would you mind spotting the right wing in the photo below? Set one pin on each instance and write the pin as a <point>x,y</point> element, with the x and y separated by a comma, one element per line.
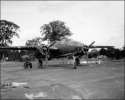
<point>101,46</point>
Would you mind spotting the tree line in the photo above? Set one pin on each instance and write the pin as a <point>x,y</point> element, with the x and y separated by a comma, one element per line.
<point>111,53</point>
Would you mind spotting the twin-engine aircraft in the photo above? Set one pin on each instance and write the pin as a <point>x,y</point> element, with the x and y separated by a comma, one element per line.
<point>58,49</point>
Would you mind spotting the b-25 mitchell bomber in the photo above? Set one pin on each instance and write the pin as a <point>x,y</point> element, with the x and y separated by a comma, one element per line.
<point>58,49</point>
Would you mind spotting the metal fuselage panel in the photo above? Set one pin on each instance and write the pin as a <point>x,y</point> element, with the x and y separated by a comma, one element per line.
<point>64,47</point>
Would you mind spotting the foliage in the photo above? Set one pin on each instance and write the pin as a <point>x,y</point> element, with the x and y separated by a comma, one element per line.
<point>34,42</point>
<point>7,31</point>
<point>123,51</point>
<point>117,53</point>
<point>113,53</point>
<point>1,55</point>
<point>55,30</point>
<point>102,51</point>
<point>110,52</point>
<point>93,53</point>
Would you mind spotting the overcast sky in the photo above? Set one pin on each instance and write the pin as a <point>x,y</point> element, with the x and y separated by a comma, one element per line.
<point>99,21</point>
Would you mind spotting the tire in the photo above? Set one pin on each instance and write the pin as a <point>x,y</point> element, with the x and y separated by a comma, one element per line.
<point>77,61</point>
<point>40,65</point>
<point>31,65</point>
<point>74,65</point>
<point>25,65</point>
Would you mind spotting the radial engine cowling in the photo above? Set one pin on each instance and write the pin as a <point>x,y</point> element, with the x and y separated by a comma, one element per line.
<point>44,50</point>
<point>85,49</point>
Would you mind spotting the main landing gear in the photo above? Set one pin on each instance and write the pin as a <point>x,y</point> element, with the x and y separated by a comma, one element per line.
<point>76,62</point>
<point>40,63</point>
<point>26,64</point>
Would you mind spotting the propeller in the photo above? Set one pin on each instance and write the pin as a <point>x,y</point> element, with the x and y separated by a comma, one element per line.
<point>87,49</point>
<point>51,44</point>
<point>45,51</point>
<point>47,56</point>
<point>91,44</point>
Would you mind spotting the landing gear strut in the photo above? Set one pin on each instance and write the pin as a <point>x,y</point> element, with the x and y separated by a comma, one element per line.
<point>76,62</point>
<point>40,63</point>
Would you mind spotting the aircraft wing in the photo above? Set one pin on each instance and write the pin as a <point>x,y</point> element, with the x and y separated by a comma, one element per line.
<point>19,48</point>
<point>65,55</point>
<point>101,46</point>
<point>26,48</point>
<point>68,54</point>
<point>53,48</point>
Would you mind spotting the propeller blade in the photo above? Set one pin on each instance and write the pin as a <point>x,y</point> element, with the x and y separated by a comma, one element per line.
<point>91,43</point>
<point>52,44</point>
<point>88,50</point>
<point>87,57</point>
<point>46,59</point>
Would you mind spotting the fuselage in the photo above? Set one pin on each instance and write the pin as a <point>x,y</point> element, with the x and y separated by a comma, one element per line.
<point>65,46</point>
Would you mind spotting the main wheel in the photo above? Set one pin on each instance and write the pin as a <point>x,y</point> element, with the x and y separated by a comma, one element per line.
<point>25,65</point>
<point>30,65</point>
<point>40,64</point>
<point>77,61</point>
<point>74,65</point>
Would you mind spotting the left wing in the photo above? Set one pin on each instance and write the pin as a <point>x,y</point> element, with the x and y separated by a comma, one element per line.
<point>19,48</point>
<point>26,48</point>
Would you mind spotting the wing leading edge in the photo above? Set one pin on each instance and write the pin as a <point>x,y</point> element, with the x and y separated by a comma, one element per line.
<point>19,48</point>
<point>101,47</point>
<point>25,48</point>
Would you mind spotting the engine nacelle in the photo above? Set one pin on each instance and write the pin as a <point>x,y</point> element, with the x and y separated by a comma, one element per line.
<point>41,52</point>
<point>85,49</point>
<point>44,50</point>
<point>78,48</point>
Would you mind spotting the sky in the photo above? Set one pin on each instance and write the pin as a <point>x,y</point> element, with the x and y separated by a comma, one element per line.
<point>99,21</point>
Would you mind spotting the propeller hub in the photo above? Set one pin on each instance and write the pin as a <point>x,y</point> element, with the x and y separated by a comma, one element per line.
<point>44,50</point>
<point>85,49</point>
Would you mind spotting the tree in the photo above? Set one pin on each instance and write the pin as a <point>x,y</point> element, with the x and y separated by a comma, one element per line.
<point>90,54</point>
<point>94,53</point>
<point>102,51</point>
<point>123,52</point>
<point>117,54</point>
<point>110,52</point>
<point>34,42</point>
<point>55,30</point>
<point>7,31</point>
